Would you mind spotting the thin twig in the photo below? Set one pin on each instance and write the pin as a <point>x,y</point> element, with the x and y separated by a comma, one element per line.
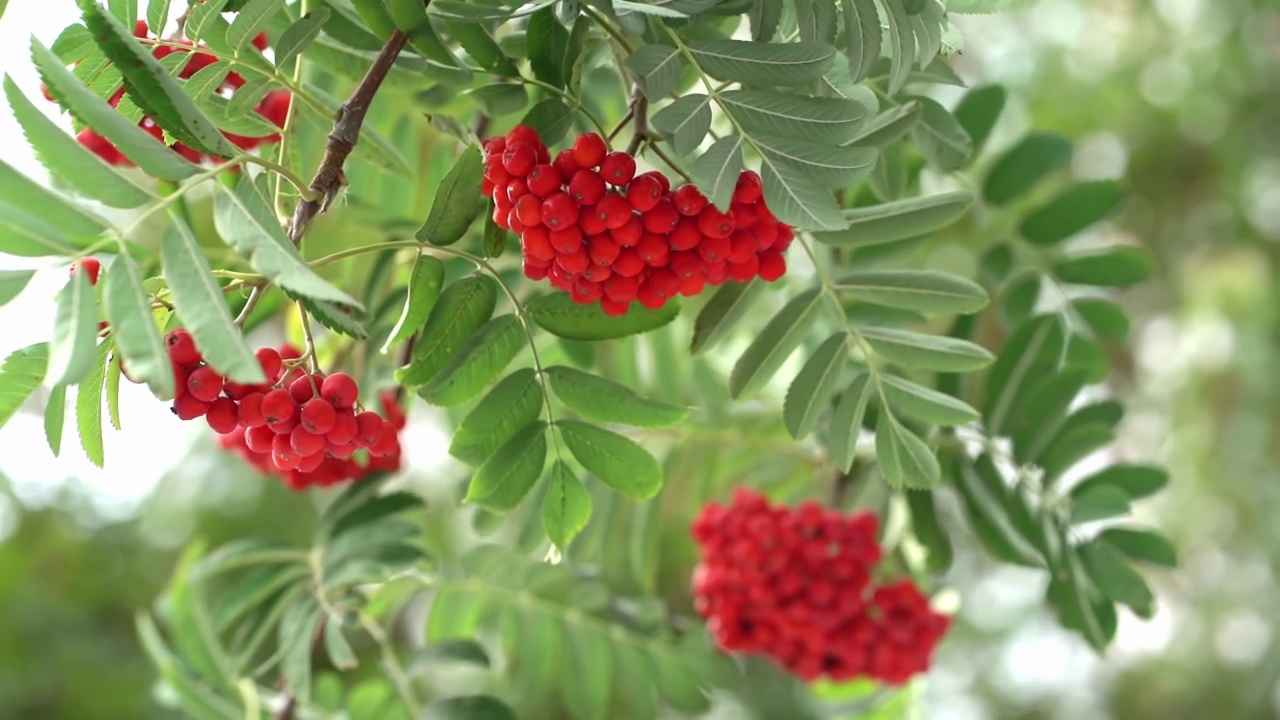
<point>840,487</point>
<point>621,123</point>
<point>640,119</point>
<point>255,297</point>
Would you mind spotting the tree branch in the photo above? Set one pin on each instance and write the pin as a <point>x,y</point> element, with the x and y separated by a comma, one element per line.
<point>329,178</point>
<point>640,116</point>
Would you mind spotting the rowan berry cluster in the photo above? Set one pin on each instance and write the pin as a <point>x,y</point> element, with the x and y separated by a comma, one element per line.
<point>796,585</point>
<point>274,106</point>
<point>305,426</point>
<point>594,228</point>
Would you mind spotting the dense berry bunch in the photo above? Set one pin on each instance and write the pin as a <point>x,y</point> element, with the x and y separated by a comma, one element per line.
<point>594,228</point>
<point>303,425</point>
<point>274,106</point>
<point>795,584</point>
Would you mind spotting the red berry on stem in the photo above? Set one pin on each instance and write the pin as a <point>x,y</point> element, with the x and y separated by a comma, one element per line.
<point>340,390</point>
<point>388,444</point>
<point>621,289</point>
<point>187,407</point>
<point>529,210</point>
<point>645,191</point>
<point>589,150</point>
<point>559,211</point>
<point>271,362</point>
<point>543,180</point>
<point>614,308</point>
<point>344,427</point>
<point>535,243</point>
<point>772,265</point>
<point>748,190</point>
<point>260,41</point>
<point>223,415</point>
<point>566,240</point>
<point>278,406</point>
<point>603,250</point>
<point>744,271</point>
<point>686,264</point>
<point>618,168</point>
<point>689,200</point>
<point>653,250</point>
<point>591,222</point>
<point>597,273</point>
<point>369,428</point>
<point>517,189</point>
<point>714,223</point>
<point>519,158</point>
<point>182,349</point>
<point>693,285</point>
<point>306,442</point>
<point>283,456</point>
<point>574,263</point>
<point>714,249</point>
<point>250,412</point>
<point>525,134</point>
<point>91,266</point>
<point>587,187</point>
<point>628,264</point>
<point>629,234</point>
<point>614,210</point>
<point>742,245</point>
<point>204,384</point>
<point>304,388</point>
<point>662,218</point>
<point>565,163</point>
<point>317,416</point>
<point>685,235</point>
<point>259,438</point>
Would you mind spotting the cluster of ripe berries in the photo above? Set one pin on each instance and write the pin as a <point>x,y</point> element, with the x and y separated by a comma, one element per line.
<point>304,426</point>
<point>795,584</point>
<point>594,228</point>
<point>274,106</point>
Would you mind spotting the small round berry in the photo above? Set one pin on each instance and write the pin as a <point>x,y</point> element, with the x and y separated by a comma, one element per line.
<point>742,245</point>
<point>565,164</point>
<point>271,363</point>
<point>621,289</point>
<point>559,211</point>
<point>717,273</point>
<point>529,210</point>
<point>714,223</point>
<point>369,429</point>
<point>283,456</point>
<point>340,390</point>
<point>260,41</point>
<point>614,210</point>
<point>278,406</point>
<point>597,273</point>
<point>182,348</point>
<point>618,168</point>
<point>772,266</point>
<point>304,388</point>
<point>494,146</point>
<point>519,158</point>
<point>663,281</point>
<point>689,200</point>
<point>628,264</point>
<point>187,407</point>
<point>744,271</point>
<point>498,175</point>
<point>535,243</point>
<point>662,218</point>
<point>317,416</point>
<point>714,249</point>
<point>513,221</point>
<point>344,427</point>
<point>603,250</point>
<point>748,190</point>
<point>91,267</point>
<point>589,150</point>
<point>686,264</point>
<point>587,187</point>
<point>653,250</point>
<point>628,235</point>
<point>250,412</point>
<point>586,292</point>
<point>614,308</point>
<point>517,189</point>
<point>574,263</point>
<point>388,445</point>
<point>645,191</point>
<point>525,134</point>
<point>204,384</point>
<point>223,415</point>
<point>685,235</point>
<point>306,442</point>
<point>693,285</point>
<point>566,240</point>
<point>310,463</point>
<point>591,222</point>
<point>766,235</point>
<point>259,438</point>
<point>543,180</point>
<point>502,211</point>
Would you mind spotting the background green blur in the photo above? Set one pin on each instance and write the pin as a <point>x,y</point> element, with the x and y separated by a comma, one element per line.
<point>1180,97</point>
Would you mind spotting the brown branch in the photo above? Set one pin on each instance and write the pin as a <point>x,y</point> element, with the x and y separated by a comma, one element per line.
<point>640,119</point>
<point>329,178</point>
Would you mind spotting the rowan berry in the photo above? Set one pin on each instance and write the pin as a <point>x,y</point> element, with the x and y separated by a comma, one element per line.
<point>603,250</point>
<point>589,150</point>
<point>689,201</point>
<point>653,250</point>
<point>714,223</point>
<point>565,163</point>
<point>304,388</point>
<point>748,190</point>
<point>516,189</point>
<point>591,222</point>
<point>344,427</point>
<point>90,266</point>
<point>597,273</point>
<point>586,187</point>
<point>621,289</point>
<point>223,415</point>
<point>617,168</point>
<point>528,210</point>
<point>317,416</point>
<point>686,264</point>
<point>744,271</point>
<point>388,444</point>
<point>270,362</point>
<point>566,240</point>
<point>182,348</point>
<point>306,442</point>
<point>543,180</point>
<point>559,211</point>
<point>628,264</point>
<point>693,285</point>
<point>308,464</point>
<point>525,134</point>
<point>575,262</point>
<point>742,245</point>
<point>260,41</point>
<point>278,407</point>
<point>369,429</point>
<point>586,292</point>
<point>249,412</point>
<point>629,234</point>
<point>204,384</point>
<point>772,266</point>
<point>661,218</point>
<point>259,438</point>
<point>340,390</point>
<point>645,191</point>
<point>614,308</point>
<point>519,158</point>
<point>283,455</point>
<point>685,235</point>
<point>614,210</point>
<point>188,407</point>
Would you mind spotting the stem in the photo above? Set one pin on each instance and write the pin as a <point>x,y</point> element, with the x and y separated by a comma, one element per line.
<point>255,297</point>
<point>284,172</point>
<point>608,27</point>
<point>309,351</point>
<point>640,114</point>
<point>667,159</point>
<point>329,178</point>
<point>621,124</point>
<point>392,664</point>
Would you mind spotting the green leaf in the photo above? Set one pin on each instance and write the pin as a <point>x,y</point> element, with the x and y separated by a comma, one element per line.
<point>425,283</point>
<point>157,14</point>
<point>1073,210</point>
<point>247,223</point>
<point>862,36</point>
<point>457,200</point>
<point>512,404</point>
<point>1142,545</point>
<point>55,411</point>
<point>684,122</point>
<point>1098,502</point>
<point>480,45</point>
<point>369,513</point>
<point>199,301</point>
<point>725,308</point>
<point>467,652</point>
<point>12,283</point>
<point>616,461</point>
<point>27,235</point>
<point>1040,414</point>
<point>151,157</point>
<point>925,291</point>
<point>151,87</point>
<point>75,332</point>
<point>500,99</point>
<point>927,352</point>
<point>604,400</point>
<point>846,422</point>
<point>21,373</point>
<point>656,68</point>
<point>1134,481</point>
<point>506,477</point>
<point>905,459</point>
<point>464,306</point>
<point>827,166</point>
<point>299,35</point>
<point>829,121</point>
<point>1115,578</point>
<point>902,44</point>
<point>559,315</point>
<point>797,200</point>
<point>814,386</point>
<point>816,20</point>
<point>1025,164</point>
<point>942,139</point>
<point>254,17</point>
<point>717,170</point>
<point>985,501</point>
<point>978,111</point>
<point>1031,353</point>
<point>551,118</point>
<point>113,392</point>
<point>342,320</point>
<point>925,404</point>
<point>477,362</point>
<point>775,343</point>
<point>1105,318</point>
<point>468,707</point>
<point>890,125</point>
<point>758,63</point>
<point>566,507</point>
<point>1113,267</point>
<point>898,220</point>
<point>926,528</point>
<point>410,16</point>
<point>89,406</point>
<point>206,16</point>
<point>68,160</point>
<point>128,309</point>
<point>546,39</point>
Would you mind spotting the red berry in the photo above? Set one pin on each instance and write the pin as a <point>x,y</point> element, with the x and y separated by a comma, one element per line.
<point>260,41</point>
<point>614,308</point>
<point>586,292</point>
<point>618,168</point>
<point>529,210</point>
<point>344,427</point>
<point>645,191</point>
<point>369,428</point>
<point>628,264</point>
<point>223,415</point>
<point>587,187</point>
<point>744,271</point>
<point>653,250</point>
<point>565,164</point>
<point>597,273</point>
<point>714,249</point>
<point>714,223</point>
<point>140,29</point>
<point>543,180</point>
<point>661,218</point>
<point>629,234</point>
<point>748,190</point>
<point>689,200</point>
<point>317,416</point>
<point>603,250</point>
<point>525,134</point>
<point>535,243</point>
<point>693,285</point>
<point>685,235</point>
<point>513,222</point>
<point>516,189</point>
<point>772,266</point>
<point>340,390</point>
<point>559,211</point>
<point>766,235</point>
<point>519,158</point>
<point>663,281</point>
<point>182,349</point>
<point>591,222</point>
<point>283,456</point>
<point>650,298</point>
<point>686,264</point>
<point>614,210</point>
<point>717,272</point>
<point>278,407</point>
<point>271,363</point>
<point>589,150</point>
<point>567,240</point>
<point>204,384</point>
<point>574,263</point>
<point>502,211</point>
<point>187,407</point>
<point>304,388</point>
<point>621,289</point>
<point>91,266</point>
<point>741,247</point>
<point>259,438</point>
<point>306,442</point>
<point>250,412</point>
<point>311,463</point>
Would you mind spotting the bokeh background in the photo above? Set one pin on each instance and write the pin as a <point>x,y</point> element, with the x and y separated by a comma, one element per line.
<point>1179,97</point>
